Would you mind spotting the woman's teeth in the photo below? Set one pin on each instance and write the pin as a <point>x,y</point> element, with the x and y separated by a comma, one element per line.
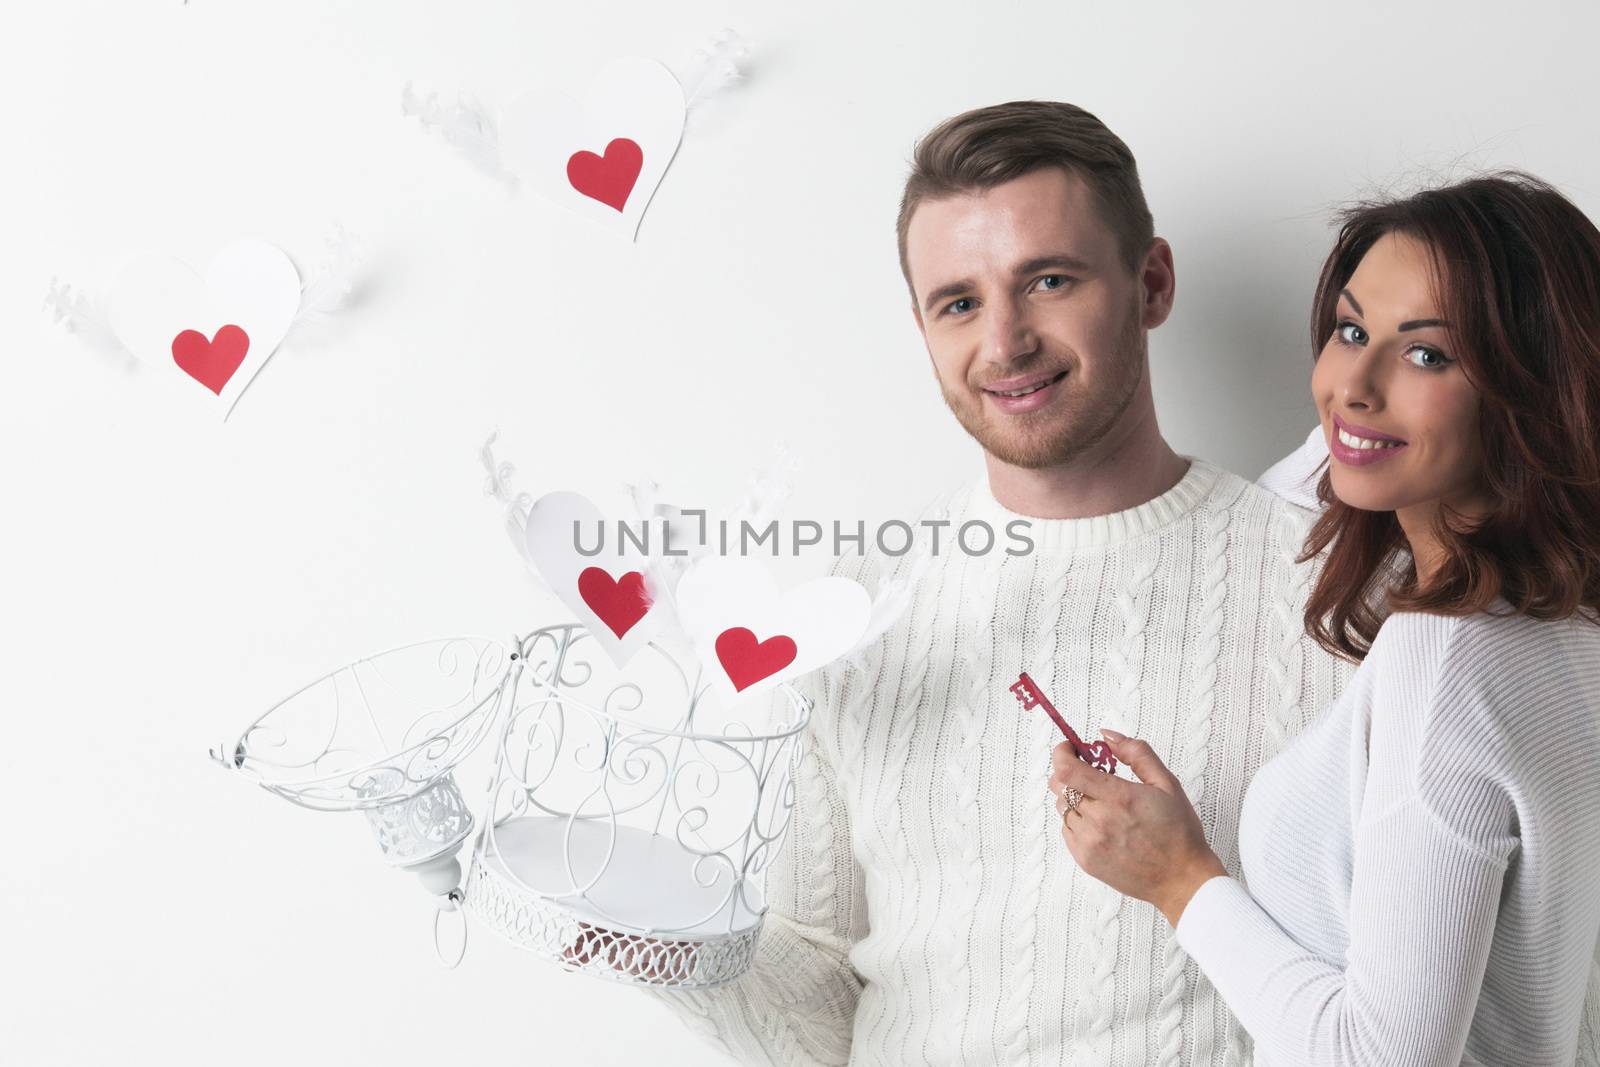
<point>1352,441</point>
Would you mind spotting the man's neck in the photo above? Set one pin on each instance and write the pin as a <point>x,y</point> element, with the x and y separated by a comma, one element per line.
<point>1093,484</point>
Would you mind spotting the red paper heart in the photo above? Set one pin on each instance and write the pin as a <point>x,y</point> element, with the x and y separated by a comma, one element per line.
<point>619,602</point>
<point>747,660</point>
<point>211,363</point>
<point>607,180</point>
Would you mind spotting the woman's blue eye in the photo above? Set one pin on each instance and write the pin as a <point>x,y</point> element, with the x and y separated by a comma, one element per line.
<point>1351,336</point>
<point>1349,333</point>
<point>1440,359</point>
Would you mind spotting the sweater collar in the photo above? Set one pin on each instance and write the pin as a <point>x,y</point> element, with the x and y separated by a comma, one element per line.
<point>1058,535</point>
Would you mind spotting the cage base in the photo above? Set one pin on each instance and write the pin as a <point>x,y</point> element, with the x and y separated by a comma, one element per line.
<point>637,924</point>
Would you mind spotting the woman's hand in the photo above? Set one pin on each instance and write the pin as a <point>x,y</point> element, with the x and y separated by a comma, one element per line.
<point>1144,840</point>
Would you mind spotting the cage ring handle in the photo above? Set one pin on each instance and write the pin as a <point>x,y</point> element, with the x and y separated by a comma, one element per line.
<point>450,902</point>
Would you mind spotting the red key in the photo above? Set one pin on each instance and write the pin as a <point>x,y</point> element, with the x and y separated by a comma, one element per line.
<point>1097,755</point>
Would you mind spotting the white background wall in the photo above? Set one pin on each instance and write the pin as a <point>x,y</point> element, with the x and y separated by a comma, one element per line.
<point>167,577</point>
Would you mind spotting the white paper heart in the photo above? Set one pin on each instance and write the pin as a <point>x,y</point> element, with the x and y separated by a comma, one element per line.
<point>738,619</point>
<point>168,316</point>
<point>609,590</point>
<point>631,116</point>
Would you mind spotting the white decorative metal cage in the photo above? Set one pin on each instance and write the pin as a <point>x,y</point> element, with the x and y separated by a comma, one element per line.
<point>630,818</point>
<point>627,834</point>
<point>382,736</point>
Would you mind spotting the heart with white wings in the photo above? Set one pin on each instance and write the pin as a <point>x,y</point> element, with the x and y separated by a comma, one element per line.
<point>603,156</point>
<point>610,589</point>
<point>216,331</point>
<point>751,635</point>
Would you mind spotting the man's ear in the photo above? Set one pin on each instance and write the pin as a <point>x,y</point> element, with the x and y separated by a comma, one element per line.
<point>1159,282</point>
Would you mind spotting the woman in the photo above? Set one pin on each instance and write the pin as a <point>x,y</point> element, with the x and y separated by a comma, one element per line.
<point>1423,861</point>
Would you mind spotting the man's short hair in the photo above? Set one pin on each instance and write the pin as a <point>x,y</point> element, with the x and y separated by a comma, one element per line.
<point>988,146</point>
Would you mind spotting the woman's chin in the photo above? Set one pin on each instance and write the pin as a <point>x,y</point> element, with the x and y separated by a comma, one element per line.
<point>1362,497</point>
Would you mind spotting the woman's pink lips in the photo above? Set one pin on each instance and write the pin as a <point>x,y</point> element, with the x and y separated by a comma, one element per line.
<point>1364,431</point>
<point>1012,405</point>
<point>1356,457</point>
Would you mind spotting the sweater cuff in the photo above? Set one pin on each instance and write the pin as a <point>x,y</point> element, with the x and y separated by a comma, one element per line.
<point>1238,946</point>
<point>1214,920</point>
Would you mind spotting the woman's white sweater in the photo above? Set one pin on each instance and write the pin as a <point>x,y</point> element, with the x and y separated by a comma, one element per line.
<point>1424,860</point>
<point>923,908</point>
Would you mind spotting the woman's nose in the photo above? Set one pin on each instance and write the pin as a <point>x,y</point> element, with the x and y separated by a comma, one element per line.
<point>1362,388</point>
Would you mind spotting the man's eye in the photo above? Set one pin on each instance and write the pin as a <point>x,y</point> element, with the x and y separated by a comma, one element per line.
<point>960,306</point>
<point>1349,333</point>
<point>1053,281</point>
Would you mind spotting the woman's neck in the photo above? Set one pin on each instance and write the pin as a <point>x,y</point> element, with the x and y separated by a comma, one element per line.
<point>1417,522</point>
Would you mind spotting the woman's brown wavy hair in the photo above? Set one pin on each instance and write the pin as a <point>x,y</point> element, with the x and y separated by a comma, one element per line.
<point>1517,274</point>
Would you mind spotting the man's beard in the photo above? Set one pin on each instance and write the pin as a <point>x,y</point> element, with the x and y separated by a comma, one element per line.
<point>1073,423</point>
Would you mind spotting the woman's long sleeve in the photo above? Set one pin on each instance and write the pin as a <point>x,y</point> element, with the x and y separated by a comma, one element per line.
<point>1472,877</point>
<point>1423,915</point>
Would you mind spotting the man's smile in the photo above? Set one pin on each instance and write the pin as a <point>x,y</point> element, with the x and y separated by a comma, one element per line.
<point>1025,393</point>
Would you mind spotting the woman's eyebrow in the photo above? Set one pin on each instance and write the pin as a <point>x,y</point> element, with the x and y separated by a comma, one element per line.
<point>1410,324</point>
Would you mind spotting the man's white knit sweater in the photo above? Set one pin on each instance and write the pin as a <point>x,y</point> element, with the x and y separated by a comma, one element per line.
<point>923,909</point>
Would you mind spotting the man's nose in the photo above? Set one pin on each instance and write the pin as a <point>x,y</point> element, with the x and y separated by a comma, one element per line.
<point>1010,335</point>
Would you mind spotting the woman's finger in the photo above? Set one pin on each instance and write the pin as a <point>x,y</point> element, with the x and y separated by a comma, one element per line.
<point>1062,807</point>
<point>1063,785</point>
<point>1094,782</point>
<point>1143,761</point>
<point>1075,820</point>
<point>1061,755</point>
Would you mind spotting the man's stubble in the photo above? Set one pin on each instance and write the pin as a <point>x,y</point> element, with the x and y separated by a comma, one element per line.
<point>1070,434</point>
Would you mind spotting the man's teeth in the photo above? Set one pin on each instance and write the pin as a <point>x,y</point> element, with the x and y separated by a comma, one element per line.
<point>1024,392</point>
<point>1352,441</point>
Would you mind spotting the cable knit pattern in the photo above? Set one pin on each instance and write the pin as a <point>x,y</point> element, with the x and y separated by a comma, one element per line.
<point>1099,959</point>
<point>696,1014</point>
<point>1037,808</point>
<point>1289,620</point>
<point>819,833</point>
<point>959,930</point>
<point>962,774</point>
<point>853,697</point>
<point>802,996</point>
<point>1190,767</point>
<point>820,836</point>
<point>904,720</point>
<point>1284,717</point>
<point>1238,1045</point>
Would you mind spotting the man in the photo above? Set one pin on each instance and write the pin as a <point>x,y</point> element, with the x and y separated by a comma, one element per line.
<point>923,908</point>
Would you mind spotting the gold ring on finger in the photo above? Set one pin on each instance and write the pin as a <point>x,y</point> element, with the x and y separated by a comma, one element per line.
<point>1071,797</point>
